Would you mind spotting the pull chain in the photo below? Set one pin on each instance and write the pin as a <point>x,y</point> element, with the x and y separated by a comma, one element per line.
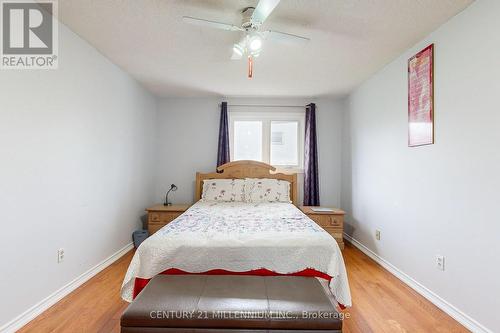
<point>250,67</point>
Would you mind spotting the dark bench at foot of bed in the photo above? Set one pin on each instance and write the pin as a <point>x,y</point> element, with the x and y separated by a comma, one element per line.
<point>209,303</point>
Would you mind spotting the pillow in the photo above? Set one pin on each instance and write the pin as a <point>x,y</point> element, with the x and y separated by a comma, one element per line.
<point>267,190</point>
<point>223,190</point>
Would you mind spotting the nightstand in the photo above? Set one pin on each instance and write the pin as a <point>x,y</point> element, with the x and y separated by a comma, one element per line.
<point>160,215</point>
<point>332,222</point>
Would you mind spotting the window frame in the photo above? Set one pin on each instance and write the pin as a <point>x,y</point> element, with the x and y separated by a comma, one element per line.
<point>266,118</point>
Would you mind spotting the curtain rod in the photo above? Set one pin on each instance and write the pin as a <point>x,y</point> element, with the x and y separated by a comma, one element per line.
<point>265,106</point>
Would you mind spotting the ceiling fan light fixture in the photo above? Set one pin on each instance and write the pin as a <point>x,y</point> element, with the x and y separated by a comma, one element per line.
<point>255,43</point>
<point>254,53</point>
<point>238,49</point>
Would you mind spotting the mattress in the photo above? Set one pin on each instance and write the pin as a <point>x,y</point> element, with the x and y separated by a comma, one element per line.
<point>240,237</point>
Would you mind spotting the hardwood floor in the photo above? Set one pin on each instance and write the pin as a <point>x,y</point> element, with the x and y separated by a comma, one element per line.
<point>381,303</point>
<point>96,306</point>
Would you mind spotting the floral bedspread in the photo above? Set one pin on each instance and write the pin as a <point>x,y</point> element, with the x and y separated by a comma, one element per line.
<point>238,236</point>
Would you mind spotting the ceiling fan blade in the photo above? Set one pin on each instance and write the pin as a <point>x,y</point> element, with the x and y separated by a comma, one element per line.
<point>211,24</point>
<point>263,10</point>
<point>286,37</point>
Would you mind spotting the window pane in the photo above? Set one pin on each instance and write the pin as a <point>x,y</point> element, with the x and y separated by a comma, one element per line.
<point>284,143</point>
<point>247,140</point>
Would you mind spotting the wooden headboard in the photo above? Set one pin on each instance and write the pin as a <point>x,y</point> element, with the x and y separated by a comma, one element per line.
<point>247,169</point>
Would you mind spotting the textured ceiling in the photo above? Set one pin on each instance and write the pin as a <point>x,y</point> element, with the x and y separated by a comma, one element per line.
<point>350,40</point>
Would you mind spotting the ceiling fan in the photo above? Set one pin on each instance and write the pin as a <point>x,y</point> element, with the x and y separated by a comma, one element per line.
<point>250,45</point>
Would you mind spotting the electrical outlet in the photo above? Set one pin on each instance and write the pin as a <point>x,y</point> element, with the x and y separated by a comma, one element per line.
<point>377,234</point>
<point>440,262</point>
<point>60,255</point>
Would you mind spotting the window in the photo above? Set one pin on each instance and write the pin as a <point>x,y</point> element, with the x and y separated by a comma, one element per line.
<point>284,143</point>
<point>248,140</point>
<point>276,138</point>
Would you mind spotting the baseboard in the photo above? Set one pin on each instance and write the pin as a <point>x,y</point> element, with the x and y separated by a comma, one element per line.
<point>55,297</point>
<point>451,310</point>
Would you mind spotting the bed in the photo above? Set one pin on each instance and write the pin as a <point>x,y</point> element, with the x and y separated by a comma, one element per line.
<point>266,238</point>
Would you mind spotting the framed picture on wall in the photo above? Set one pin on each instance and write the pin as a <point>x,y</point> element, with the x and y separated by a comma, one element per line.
<point>421,98</point>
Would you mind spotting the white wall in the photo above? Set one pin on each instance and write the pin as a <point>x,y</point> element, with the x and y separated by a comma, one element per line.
<point>188,133</point>
<point>76,170</point>
<point>438,199</point>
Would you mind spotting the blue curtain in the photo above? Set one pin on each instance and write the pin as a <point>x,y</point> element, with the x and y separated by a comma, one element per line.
<point>223,148</point>
<point>311,181</point>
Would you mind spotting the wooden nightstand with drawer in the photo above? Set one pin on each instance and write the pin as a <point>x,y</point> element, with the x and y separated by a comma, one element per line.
<point>160,215</point>
<point>332,222</point>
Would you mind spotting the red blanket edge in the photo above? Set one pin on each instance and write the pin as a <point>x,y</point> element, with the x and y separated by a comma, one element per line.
<point>140,283</point>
